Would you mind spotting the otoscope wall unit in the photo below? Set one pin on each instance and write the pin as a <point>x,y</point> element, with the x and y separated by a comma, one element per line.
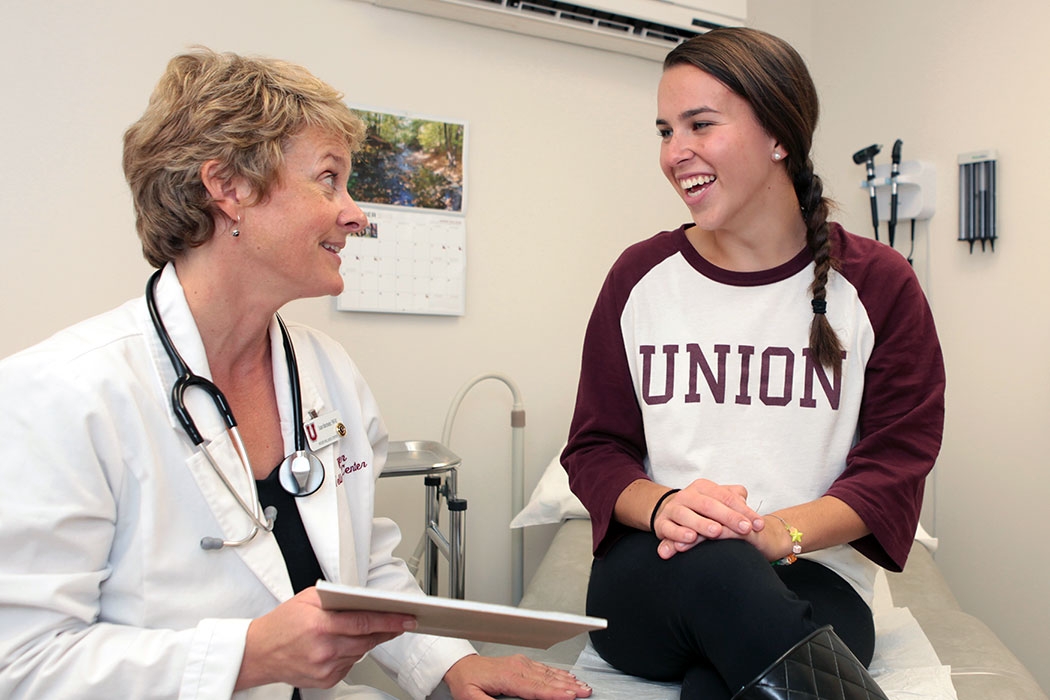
<point>916,190</point>
<point>977,198</point>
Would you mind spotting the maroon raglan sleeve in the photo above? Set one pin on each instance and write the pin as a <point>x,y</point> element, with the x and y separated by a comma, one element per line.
<point>902,411</point>
<point>606,445</point>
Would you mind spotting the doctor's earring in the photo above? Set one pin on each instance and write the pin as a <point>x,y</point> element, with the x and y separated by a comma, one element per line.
<point>236,228</point>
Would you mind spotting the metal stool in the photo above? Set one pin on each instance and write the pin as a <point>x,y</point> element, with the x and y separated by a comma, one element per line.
<point>437,465</point>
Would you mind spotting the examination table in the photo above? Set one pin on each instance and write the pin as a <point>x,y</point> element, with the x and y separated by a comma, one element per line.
<point>927,646</point>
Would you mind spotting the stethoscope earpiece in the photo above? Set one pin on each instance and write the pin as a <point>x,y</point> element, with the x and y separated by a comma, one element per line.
<point>300,474</point>
<point>214,543</point>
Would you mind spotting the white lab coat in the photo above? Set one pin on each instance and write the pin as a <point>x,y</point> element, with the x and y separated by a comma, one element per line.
<point>105,591</point>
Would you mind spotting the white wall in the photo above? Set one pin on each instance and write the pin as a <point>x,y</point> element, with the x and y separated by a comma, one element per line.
<point>563,175</point>
<point>949,77</point>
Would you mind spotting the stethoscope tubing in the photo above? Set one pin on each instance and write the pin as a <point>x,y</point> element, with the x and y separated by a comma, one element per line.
<point>185,378</point>
<point>254,510</point>
<point>260,519</point>
<point>297,398</point>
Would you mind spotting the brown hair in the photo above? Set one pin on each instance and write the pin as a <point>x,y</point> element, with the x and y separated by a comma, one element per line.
<point>235,110</point>
<point>768,73</point>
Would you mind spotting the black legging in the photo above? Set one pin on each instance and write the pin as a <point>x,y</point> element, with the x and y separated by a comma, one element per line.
<point>716,616</point>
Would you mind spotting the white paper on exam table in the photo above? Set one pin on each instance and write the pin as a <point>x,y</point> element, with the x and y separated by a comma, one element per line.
<point>447,617</point>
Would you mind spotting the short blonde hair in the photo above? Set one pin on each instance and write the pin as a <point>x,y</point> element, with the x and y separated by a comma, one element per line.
<point>238,111</point>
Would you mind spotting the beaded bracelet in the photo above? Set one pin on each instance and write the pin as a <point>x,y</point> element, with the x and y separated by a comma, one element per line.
<point>660,502</point>
<point>796,544</point>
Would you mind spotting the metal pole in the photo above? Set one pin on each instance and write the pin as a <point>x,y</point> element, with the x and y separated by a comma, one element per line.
<point>457,562</point>
<point>430,560</point>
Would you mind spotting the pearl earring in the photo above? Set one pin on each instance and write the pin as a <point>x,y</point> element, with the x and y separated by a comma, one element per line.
<point>777,156</point>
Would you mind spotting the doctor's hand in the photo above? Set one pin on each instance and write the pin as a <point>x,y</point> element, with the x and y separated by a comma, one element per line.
<point>301,644</point>
<point>483,677</point>
<point>702,511</point>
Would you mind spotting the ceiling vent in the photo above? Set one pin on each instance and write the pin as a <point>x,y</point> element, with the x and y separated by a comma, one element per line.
<point>646,28</point>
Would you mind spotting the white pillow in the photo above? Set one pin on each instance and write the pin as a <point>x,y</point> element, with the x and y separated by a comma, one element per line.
<point>926,539</point>
<point>881,599</point>
<point>551,500</point>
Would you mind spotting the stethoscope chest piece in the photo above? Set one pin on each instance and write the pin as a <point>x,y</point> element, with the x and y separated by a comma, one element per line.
<point>301,473</point>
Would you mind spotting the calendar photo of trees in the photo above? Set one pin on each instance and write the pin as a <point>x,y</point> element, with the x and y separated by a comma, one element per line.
<point>410,162</point>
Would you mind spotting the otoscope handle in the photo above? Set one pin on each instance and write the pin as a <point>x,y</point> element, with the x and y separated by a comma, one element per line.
<point>895,171</point>
<point>867,156</point>
<point>893,217</point>
<point>875,217</point>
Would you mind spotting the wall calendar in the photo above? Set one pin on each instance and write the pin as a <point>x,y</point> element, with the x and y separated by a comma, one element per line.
<point>407,262</point>
<point>408,178</point>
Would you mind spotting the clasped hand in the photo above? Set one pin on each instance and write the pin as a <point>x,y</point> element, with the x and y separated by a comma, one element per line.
<point>704,510</point>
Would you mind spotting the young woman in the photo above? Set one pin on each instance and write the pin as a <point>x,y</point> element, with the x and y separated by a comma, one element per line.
<point>761,398</point>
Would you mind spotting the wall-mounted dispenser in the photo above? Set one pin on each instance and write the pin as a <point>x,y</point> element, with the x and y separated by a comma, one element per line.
<point>977,198</point>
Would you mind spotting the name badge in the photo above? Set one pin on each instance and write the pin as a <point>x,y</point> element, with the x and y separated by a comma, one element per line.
<point>324,430</point>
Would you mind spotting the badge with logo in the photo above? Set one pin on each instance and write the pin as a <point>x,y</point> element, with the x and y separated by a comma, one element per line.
<point>324,430</point>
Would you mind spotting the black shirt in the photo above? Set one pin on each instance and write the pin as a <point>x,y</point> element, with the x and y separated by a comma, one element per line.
<point>303,567</point>
<point>299,557</point>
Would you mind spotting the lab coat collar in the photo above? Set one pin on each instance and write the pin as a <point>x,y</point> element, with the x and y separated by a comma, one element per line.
<point>178,320</point>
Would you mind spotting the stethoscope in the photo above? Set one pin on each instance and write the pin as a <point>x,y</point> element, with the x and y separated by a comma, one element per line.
<point>300,474</point>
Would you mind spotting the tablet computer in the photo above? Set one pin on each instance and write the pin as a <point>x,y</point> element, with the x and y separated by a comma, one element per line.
<point>448,617</point>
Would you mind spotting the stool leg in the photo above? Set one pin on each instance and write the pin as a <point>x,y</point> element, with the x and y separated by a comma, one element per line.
<point>431,514</point>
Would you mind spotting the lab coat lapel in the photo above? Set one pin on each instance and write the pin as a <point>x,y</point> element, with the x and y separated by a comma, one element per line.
<point>322,512</point>
<point>262,554</point>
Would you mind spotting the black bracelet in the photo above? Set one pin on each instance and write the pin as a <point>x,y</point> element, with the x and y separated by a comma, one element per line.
<point>652,518</point>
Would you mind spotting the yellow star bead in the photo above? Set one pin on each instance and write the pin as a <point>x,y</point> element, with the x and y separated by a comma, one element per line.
<point>796,535</point>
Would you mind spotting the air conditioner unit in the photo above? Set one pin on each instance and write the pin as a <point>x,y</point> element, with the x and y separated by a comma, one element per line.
<point>646,28</point>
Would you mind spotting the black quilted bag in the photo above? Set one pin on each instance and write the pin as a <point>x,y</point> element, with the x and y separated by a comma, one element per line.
<point>820,667</point>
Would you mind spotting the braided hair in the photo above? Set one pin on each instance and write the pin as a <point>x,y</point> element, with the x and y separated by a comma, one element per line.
<point>768,73</point>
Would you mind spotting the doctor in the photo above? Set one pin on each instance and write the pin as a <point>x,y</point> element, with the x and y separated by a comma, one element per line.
<point>160,545</point>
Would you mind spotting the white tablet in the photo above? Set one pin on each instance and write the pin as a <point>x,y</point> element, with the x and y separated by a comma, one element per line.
<point>448,617</point>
